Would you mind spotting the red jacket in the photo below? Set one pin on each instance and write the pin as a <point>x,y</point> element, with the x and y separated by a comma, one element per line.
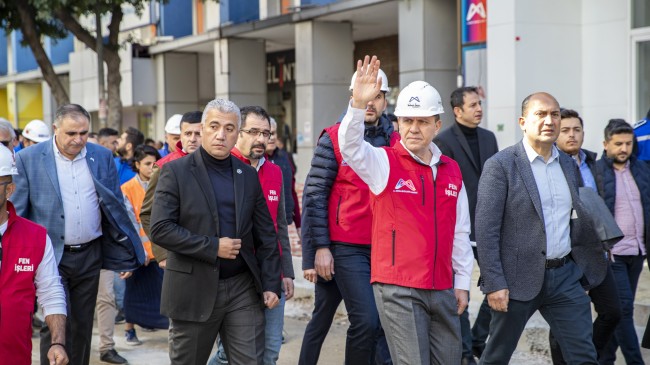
<point>23,247</point>
<point>414,223</point>
<point>172,156</point>
<point>350,216</point>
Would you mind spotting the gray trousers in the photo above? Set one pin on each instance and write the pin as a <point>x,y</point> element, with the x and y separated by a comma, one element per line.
<point>421,326</point>
<point>237,315</point>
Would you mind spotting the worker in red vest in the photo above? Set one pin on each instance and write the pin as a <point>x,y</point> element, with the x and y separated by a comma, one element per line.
<point>421,260</point>
<point>27,270</point>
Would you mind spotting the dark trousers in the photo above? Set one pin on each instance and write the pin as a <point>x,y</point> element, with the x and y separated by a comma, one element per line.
<point>238,316</point>
<point>80,278</point>
<point>627,270</point>
<point>563,304</point>
<point>327,298</point>
<point>365,342</point>
<point>608,307</point>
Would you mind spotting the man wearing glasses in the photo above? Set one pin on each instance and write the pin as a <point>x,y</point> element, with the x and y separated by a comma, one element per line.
<point>7,134</point>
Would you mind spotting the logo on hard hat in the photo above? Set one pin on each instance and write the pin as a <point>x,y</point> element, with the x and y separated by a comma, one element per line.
<point>414,102</point>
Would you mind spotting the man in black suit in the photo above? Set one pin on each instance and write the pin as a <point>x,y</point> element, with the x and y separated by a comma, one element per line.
<point>223,265</point>
<point>470,145</point>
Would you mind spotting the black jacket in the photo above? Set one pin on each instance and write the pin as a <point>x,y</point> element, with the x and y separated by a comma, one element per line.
<point>606,182</point>
<point>315,196</point>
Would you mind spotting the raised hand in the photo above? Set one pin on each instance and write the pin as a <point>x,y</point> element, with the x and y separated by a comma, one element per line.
<point>366,85</point>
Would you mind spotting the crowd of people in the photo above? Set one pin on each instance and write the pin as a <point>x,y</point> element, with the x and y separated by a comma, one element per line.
<point>191,236</point>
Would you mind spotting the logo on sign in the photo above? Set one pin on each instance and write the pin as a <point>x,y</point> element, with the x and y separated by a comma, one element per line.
<point>402,186</point>
<point>23,265</point>
<point>475,9</point>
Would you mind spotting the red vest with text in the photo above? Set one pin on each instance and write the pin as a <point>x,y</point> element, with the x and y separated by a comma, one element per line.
<point>23,246</point>
<point>270,176</point>
<point>172,156</point>
<point>414,223</point>
<point>350,216</point>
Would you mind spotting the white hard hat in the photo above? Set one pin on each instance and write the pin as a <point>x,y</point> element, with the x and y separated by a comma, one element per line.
<point>37,131</point>
<point>7,162</point>
<point>173,125</point>
<point>380,74</point>
<point>418,99</point>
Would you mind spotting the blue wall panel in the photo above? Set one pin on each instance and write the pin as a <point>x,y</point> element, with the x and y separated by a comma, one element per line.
<point>60,49</point>
<point>317,2</point>
<point>177,18</point>
<point>3,53</point>
<point>25,60</point>
<point>239,11</point>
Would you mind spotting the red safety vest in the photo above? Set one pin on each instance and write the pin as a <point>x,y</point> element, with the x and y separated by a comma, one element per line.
<point>270,176</point>
<point>172,156</point>
<point>414,223</point>
<point>349,213</point>
<point>23,247</point>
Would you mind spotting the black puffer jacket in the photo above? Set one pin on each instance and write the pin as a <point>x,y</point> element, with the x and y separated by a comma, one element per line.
<point>321,176</point>
<point>606,182</point>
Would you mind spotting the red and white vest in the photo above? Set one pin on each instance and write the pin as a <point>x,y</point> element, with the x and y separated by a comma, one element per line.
<point>270,176</point>
<point>350,216</point>
<point>172,156</point>
<point>23,247</point>
<point>414,223</point>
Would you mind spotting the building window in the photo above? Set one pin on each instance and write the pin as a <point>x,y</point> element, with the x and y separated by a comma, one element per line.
<point>640,13</point>
<point>643,79</point>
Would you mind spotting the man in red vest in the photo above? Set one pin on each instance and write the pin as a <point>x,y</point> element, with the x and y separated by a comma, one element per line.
<point>253,136</point>
<point>189,142</point>
<point>27,270</point>
<point>422,260</point>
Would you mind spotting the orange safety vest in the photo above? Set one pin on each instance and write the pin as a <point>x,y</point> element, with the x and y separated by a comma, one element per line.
<point>133,191</point>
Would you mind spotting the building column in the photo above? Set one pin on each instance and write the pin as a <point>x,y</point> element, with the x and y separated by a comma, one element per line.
<point>240,71</point>
<point>324,66</point>
<point>428,44</point>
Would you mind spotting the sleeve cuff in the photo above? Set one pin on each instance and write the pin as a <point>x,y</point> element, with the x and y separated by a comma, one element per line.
<point>54,309</point>
<point>462,282</point>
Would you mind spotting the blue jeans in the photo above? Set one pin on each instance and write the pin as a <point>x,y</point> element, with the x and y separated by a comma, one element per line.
<point>352,267</point>
<point>272,335</point>
<point>119,286</point>
<point>273,332</point>
<point>627,270</point>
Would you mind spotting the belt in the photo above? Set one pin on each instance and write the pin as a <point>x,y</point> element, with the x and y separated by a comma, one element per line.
<point>555,263</point>
<point>78,248</point>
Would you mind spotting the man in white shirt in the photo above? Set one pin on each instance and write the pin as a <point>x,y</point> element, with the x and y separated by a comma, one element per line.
<point>28,270</point>
<point>422,260</point>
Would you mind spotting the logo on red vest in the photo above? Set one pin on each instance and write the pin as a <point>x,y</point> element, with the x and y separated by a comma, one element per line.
<point>452,190</point>
<point>23,265</point>
<point>343,163</point>
<point>402,186</point>
<point>273,196</point>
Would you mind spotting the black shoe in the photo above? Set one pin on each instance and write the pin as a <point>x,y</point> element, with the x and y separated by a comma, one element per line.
<point>112,357</point>
<point>119,318</point>
<point>468,361</point>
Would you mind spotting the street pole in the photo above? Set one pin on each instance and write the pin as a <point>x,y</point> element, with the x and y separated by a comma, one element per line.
<point>100,69</point>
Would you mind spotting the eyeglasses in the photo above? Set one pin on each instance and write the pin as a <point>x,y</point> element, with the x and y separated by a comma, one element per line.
<point>257,132</point>
<point>6,143</point>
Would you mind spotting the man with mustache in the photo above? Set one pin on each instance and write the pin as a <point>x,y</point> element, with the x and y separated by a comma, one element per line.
<point>624,183</point>
<point>250,149</point>
<point>336,230</point>
<point>470,146</point>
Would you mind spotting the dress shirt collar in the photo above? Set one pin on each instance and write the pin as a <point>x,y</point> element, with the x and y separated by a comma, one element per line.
<point>435,154</point>
<point>57,153</point>
<point>532,155</point>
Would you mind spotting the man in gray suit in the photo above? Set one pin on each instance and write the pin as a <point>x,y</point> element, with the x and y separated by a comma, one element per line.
<point>72,189</point>
<point>470,146</point>
<point>535,240</point>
